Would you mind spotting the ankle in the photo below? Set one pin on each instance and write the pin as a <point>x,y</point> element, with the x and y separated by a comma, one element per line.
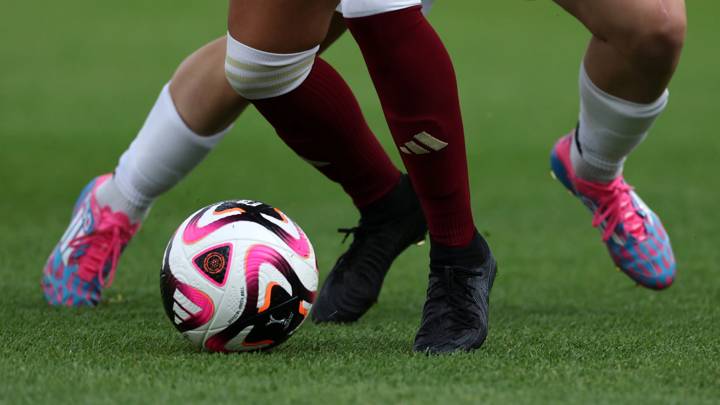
<point>477,251</point>
<point>394,203</point>
<point>111,195</point>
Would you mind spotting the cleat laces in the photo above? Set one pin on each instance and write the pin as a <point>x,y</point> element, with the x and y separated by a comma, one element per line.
<point>105,242</point>
<point>614,207</point>
<point>458,294</point>
<point>347,232</point>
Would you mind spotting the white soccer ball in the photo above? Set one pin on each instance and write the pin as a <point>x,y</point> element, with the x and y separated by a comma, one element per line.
<point>238,276</point>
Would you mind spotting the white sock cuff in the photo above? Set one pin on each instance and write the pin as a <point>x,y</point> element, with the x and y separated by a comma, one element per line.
<point>168,110</point>
<point>131,194</point>
<point>366,8</point>
<point>606,108</point>
<point>597,167</point>
<point>257,74</point>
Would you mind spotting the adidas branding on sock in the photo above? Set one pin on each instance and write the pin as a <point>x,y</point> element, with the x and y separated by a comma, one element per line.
<point>422,144</point>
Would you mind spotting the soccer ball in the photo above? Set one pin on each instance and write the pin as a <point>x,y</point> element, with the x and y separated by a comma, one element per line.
<point>238,276</point>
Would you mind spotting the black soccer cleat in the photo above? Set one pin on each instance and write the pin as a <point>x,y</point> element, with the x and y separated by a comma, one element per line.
<point>455,316</point>
<point>385,230</point>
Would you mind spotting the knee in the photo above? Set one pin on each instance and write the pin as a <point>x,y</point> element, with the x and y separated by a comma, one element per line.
<point>657,42</point>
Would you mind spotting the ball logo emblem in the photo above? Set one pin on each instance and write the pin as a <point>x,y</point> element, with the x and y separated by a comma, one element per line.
<point>214,263</point>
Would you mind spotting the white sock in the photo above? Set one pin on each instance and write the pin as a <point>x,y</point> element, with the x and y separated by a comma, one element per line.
<point>163,153</point>
<point>610,128</point>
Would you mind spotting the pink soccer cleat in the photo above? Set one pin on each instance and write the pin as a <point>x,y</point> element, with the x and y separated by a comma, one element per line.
<point>633,234</point>
<point>85,259</point>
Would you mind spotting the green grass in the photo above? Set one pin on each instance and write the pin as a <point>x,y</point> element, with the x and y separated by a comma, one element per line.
<point>76,81</point>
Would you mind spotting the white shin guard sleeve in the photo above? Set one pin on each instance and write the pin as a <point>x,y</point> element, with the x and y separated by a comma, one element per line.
<point>610,128</point>
<point>256,74</point>
<point>163,153</point>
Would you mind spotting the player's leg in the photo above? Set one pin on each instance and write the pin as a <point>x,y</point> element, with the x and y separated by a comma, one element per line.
<point>191,115</point>
<point>415,80</point>
<point>167,148</point>
<point>314,112</point>
<point>202,95</point>
<point>631,58</point>
<point>635,47</point>
<point>109,211</point>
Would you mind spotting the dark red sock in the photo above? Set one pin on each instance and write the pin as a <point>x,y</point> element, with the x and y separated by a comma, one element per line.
<point>321,121</point>
<point>415,80</point>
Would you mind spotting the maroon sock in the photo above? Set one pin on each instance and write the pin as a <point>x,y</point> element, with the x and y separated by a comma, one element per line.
<point>415,80</point>
<point>321,121</point>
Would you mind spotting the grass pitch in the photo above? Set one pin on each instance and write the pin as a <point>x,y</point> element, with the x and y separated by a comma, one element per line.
<point>77,80</point>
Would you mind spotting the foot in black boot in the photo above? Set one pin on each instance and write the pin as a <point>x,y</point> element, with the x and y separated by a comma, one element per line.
<point>455,316</point>
<point>387,227</point>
